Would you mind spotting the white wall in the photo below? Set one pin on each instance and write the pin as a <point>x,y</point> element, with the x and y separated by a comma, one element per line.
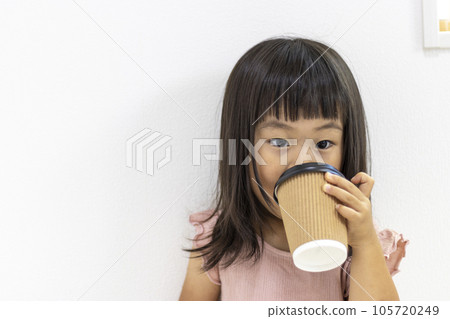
<point>72,91</point>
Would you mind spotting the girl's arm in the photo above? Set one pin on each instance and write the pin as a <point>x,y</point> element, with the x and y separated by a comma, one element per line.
<point>370,278</point>
<point>197,285</point>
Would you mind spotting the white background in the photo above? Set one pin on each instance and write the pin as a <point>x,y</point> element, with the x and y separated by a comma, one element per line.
<point>78,80</point>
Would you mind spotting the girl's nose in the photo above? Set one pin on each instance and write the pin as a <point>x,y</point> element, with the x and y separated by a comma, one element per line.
<point>299,163</point>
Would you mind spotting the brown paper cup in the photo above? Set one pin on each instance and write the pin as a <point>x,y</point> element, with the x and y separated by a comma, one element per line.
<point>316,232</point>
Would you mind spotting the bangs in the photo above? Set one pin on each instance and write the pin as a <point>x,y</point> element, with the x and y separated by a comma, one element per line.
<point>300,83</point>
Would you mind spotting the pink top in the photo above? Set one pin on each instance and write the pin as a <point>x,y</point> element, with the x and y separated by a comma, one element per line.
<point>275,277</point>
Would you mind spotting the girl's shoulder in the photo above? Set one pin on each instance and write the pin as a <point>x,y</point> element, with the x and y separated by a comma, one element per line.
<point>201,216</point>
<point>393,245</point>
<point>203,227</point>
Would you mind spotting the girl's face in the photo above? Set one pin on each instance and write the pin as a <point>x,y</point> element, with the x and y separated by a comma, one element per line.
<point>279,154</point>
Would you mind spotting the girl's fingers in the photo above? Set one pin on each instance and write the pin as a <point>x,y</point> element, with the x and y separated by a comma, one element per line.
<point>366,183</point>
<point>344,184</point>
<point>345,197</point>
<point>347,212</point>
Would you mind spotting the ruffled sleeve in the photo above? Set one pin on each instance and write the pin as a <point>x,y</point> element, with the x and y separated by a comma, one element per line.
<point>203,230</point>
<point>393,245</point>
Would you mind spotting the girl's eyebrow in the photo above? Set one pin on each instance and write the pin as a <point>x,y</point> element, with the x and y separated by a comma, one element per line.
<point>278,124</point>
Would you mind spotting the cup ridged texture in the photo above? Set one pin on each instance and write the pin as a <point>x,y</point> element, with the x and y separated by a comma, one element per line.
<point>302,197</point>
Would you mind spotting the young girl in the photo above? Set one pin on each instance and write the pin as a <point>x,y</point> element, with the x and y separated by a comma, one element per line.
<point>286,89</point>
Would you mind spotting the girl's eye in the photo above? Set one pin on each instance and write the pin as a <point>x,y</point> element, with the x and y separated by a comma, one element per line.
<point>278,142</point>
<point>323,143</point>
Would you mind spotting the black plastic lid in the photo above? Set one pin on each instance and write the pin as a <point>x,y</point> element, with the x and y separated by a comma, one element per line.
<point>304,168</point>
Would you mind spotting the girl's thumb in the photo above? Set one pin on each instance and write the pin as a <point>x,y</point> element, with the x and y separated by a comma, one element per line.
<point>364,182</point>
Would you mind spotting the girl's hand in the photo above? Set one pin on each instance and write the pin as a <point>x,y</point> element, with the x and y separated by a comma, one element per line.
<point>355,206</point>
